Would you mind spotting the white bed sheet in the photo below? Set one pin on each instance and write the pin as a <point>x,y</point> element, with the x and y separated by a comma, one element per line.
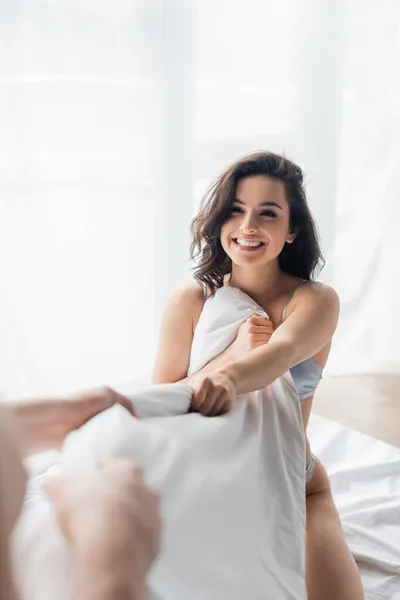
<point>365,478</point>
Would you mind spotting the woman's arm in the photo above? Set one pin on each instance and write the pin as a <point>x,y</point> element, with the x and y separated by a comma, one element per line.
<point>176,334</point>
<point>309,327</point>
<point>254,333</point>
<point>176,337</point>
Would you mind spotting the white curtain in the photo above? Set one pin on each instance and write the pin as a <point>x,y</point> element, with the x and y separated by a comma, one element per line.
<point>114,117</point>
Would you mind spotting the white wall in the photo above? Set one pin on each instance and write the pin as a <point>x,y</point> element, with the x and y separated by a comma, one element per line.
<point>113,119</point>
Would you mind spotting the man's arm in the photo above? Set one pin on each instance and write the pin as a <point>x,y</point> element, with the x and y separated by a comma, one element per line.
<point>12,488</point>
<point>42,425</point>
<point>6,584</point>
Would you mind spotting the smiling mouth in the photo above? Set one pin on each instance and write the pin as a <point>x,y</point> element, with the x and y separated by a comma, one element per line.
<point>247,245</point>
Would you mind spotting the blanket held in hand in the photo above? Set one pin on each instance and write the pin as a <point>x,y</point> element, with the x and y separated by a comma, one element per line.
<point>231,487</point>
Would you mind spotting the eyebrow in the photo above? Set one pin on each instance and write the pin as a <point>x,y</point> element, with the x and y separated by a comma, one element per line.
<point>237,201</point>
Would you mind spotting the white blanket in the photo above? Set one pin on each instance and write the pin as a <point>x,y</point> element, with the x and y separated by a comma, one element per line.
<point>232,487</point>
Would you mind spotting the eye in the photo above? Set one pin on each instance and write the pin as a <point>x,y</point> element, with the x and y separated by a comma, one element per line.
<point>269,213</point>
<point>236,209</point>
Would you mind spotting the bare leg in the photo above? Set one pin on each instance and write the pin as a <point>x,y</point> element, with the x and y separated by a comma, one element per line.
<point>331,571</point>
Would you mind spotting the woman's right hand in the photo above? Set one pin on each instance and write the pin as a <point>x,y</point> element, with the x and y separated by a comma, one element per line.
<point>212,393</point>
<point>252,334</point>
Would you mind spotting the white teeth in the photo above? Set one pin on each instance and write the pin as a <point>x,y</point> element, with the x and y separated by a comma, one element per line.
<point>246,243</point>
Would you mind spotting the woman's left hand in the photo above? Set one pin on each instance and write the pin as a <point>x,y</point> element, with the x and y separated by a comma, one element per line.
<point>213,393</point>
<point>252,334</point>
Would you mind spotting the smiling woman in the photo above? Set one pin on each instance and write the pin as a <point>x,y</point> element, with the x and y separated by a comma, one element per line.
<point>255,235</point>
<point>258,202</point>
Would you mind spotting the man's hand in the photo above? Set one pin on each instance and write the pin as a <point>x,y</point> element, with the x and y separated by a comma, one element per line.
<point>86,405</point>
<point>43,424</point>
<point>111,520</point>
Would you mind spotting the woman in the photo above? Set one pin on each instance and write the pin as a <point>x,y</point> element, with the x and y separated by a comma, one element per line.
<point>255,232</point>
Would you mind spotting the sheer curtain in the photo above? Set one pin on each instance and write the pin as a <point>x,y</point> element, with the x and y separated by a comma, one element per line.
<point>114,117</point>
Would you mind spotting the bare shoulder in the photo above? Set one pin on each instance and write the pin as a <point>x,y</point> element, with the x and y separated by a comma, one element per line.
<point>312,318</point>
<point>319,294</point>
<point>176,334</point>
<point>188,295</point>
<point>188,300</point>
<point>315,302</point>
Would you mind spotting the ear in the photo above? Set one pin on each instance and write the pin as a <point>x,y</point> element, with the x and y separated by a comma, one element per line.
<point>291,237</point>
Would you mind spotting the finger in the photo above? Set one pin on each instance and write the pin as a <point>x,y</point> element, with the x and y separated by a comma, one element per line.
<point>259,337</point>
<point>208,407</point>
<point>209,400</point>
<point>268,323</point>
<point>125,402</point>
<point>257,320</point>
<point>253,328</point>
<point>218,406</point>
<point>200,390</point>
<point>226,406</point>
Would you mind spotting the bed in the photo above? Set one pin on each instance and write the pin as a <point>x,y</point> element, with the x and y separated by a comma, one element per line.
<point>365,478</point>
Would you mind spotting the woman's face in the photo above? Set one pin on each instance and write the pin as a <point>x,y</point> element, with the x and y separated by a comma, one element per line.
<point>258,225</point>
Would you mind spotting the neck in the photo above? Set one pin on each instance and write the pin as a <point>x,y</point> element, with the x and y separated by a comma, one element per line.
<point>260,284</point>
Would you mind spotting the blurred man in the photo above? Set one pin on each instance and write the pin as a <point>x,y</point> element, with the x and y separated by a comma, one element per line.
<point>111,519</point>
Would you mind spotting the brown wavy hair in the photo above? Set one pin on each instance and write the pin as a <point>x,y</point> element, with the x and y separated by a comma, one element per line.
<point>301,258</point>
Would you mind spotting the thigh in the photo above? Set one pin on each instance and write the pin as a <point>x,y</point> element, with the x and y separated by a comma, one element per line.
<point>331,571</point>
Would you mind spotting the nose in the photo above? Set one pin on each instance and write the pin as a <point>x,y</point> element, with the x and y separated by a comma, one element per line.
<point>249,223</point>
